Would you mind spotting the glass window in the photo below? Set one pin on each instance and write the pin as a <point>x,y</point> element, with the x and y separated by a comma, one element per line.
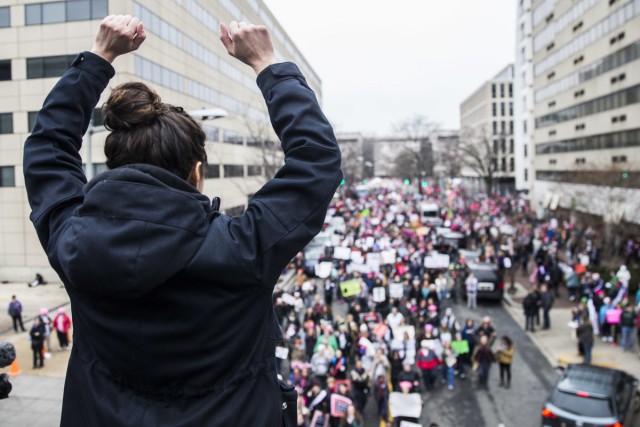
<point>495,128</point>
<point>493,109</point>
<point>5,69</point>
<point>33,14</point>
<point>254,170</point>
<point>512,165</point>
<point>5,17</point>
<point>55,66</point>
<point>493,90</point>
<point>511,146</point>
<point>6,123</point>
<point>502,108</point>
<point>7,176</point>
<point>213,171</point>
<point>526,174</point>
<point>31,120</point>
<point>78,10</point>
<point>53,12</point>
<point>99,9</point>
<point>501,90</point>
<point>231,171</point>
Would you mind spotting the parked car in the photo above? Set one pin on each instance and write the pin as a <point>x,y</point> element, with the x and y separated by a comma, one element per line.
<point>587,396</point>
<point>490,280</point>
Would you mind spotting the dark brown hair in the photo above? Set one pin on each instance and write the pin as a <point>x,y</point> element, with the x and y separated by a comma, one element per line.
<point>146,130</point>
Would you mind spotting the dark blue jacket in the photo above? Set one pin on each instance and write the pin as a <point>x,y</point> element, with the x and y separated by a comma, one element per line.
<point>174,322</point>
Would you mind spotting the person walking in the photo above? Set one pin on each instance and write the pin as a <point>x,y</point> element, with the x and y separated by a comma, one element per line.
<point>164,287</point>
<point>504,355</point>
<point>529,305</point>
<point>546,302</point>
<point>450,358</point>
<point>585,338</point>
<point>484,358</point>
<point>62,325</point>
<point>46,323</point>
<point>36,334</point>
<point>472,291</point>
<point>15,311</point>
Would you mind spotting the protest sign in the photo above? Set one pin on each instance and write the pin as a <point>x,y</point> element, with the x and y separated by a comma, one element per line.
<point>356,256</point>
<point>373,262</point>
<point>460,347</point>
<point>436,260</point>
<point>340,252</point>
<point>388,257</point>
<point>613,316</point>
<point>378,294</point>
<point>323,269</point>
<point>405,405</point>
<point>339,405</point>
<point>282,352</point>
<point>396,290</point>
<point>350,288</point>
<point>288,299</point>
<point>409,424</point>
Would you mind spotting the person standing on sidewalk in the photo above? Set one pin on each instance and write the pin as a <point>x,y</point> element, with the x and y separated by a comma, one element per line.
<point>546,301</point>
<point>472,291</point>
<point>585,338</point>
<point>484,358</point>
<point>15,311</point>
<point>62,325</point>
<point>36,335</point>
<point>627,325</point>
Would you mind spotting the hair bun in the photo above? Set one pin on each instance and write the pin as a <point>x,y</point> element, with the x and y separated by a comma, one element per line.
<point>132,104</point>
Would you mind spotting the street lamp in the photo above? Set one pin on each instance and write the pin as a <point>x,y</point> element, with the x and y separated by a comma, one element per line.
<point>203,114</point>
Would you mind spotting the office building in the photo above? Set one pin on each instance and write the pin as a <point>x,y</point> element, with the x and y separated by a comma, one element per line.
<point>182,58</point>
<point>587,107</point>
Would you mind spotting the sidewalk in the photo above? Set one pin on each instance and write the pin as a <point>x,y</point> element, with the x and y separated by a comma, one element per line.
<point>559,345</point>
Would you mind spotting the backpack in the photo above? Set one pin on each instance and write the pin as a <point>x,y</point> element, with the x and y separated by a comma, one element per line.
<point>12,310</point>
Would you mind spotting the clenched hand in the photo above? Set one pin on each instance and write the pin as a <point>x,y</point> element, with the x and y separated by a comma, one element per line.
<point>248,43</point>
<point>117,35</point>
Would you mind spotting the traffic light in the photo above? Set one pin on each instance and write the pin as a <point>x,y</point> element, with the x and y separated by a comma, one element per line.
<point>406,181</point>
<point>342,182</point>
<point>424,184</point>
<point>625,175</point>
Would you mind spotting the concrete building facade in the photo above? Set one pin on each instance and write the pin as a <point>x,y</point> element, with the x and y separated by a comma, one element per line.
<point>182,58</point>
<point>486,132</point>
<point>587,107</point>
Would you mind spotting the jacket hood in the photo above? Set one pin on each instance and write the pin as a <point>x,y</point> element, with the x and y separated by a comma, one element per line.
<point>138,226</point>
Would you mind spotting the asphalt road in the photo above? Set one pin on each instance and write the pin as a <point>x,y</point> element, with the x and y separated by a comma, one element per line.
<point>467,406</point>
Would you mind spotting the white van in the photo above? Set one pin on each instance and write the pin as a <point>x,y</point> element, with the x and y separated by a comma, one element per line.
<point>430,214</point>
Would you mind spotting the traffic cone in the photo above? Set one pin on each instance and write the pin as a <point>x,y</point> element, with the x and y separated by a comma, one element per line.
<point>14,369</point>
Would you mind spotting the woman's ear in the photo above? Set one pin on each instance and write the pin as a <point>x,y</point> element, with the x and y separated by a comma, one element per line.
<point>196,177</point>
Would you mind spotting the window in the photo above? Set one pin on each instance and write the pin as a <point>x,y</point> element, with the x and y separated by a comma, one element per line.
<point>495,128</point>
<point>605,141</point>
<point>48,66</point>
<point>503,129</point>
<point>510,90</point>
<point>5,69</point>
<point>512,165</point>
<point>526,174</point>
<point>493,109</point>
<point>65,11</point>
<point>511,146</point>
<point>552,161</point>
<point>254,170</point>
<point>619,159</point>
<point>7,176</point>
<point>495,146</point>
<point>31,120</point>
<point>503,165</point>
<point>97,118</point>
<point>580,160</point>
<point>511,108</point>
<point>213,171</point>
<point>493,90</point>
<point>231,171</point>
<point>511,127</point>
<point>526,151</point>
<point>580,126</point>
<point>5,17</point>
<point>6,123</point>
<point>231,137</point>
<point>501,90</point>
<point>503,146</point>
<point>502,108</point>
<point>524,126</point>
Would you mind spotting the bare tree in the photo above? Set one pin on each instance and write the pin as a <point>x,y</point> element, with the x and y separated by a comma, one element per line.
<point>415,160</point>
<point>477,154</point>
<point>260,135</point>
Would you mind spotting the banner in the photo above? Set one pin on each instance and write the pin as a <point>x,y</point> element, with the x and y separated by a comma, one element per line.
<point>379,294</point>
<point>350,288</point>
<point>323,269</point>
<point>339,405</point>
<point>405,405</point>
<point>340,252</point>
<point>396,290</point>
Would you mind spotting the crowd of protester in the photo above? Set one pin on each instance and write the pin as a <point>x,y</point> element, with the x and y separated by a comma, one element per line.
<point>396,331</point>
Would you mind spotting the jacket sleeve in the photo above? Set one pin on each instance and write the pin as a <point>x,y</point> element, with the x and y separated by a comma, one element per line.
<point>290,209</point>
<point>52,165</point>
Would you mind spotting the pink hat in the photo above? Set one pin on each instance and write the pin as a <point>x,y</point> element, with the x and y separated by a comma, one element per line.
<point>62,310</point>
<point>432,308</point>
<point>428,326</point>
<point>44,311</point>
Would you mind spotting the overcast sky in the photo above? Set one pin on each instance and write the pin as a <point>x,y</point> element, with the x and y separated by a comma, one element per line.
<point>382,62</point>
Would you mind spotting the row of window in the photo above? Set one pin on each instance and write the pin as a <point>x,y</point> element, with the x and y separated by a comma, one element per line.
<point>544,37</point>
<point>503,146</point>
<point>494,109</point>
<point>503,165</point>
<point>605,141</point>
<point>611,178</point>
<point>503,128</point>
<point>65,11</point>
<point>611,101</point>
<point>542,11</point>
<point>232,171</point>
<point>613,21</point>
<point>502,90</point>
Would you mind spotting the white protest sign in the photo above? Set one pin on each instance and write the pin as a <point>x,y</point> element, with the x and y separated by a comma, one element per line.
<point>323,269</point>
<point>436,260</point>
<point>396,290</point>
<point>357,257</point>
<point>288,299</point>
<point>409,424</point>
<point>369,241</point>
<point>405,405</point>
<point>359,267</point>
<point>388,257</point>
<point>340,252</point>
<point>282,352</point>
<point>378,294</point>
<point>373,262</point>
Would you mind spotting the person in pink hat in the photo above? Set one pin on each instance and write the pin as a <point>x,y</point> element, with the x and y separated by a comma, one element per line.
<point>62,325</point>
<point>46,323</point>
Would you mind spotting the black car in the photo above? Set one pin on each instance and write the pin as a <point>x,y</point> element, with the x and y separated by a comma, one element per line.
<point>589,396</point>
<point>490,280</point>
